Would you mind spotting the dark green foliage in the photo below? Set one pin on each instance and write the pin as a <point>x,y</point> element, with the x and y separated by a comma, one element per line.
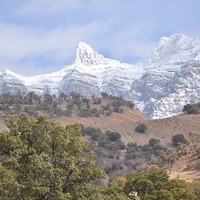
<point>107,146</point>
<point>140,154</point>
<point>94,133</point>
<point>130,104</point>
<point>156,185</point>
<point>113,136</point>
<point>42,160</point>
<point>178,139</point>
<point>153,142</point>
<point>141,128</point>
<point>191,108</point>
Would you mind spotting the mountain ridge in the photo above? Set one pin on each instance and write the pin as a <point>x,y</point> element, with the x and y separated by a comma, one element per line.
<point>154,85</point>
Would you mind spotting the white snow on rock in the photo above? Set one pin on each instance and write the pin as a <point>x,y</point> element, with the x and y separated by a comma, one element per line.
<point>160,86</point>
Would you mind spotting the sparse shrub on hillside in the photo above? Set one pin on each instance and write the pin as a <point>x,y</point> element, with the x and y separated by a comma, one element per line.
<point>47,99</point>
<point>96,100</point>
<point>116,108</point>
<point>113,136</point>
<point>73,104</point>
<point>94,112</point>
<point>141,128</point>
<point>67,113</point>
<point>130,156</point>
<point>109,112</point>
<point>84,112</point>
<point>30,110</point>
<point>191,108</point>
<point>119,145</point>
<point>58,111</point>
<point>4,107</point>
<point>130,104</point>
<point>153,142</point>
<point>104,95</point>
<point>178,139</point>
<point>85,100</point>
<point>90,130</point>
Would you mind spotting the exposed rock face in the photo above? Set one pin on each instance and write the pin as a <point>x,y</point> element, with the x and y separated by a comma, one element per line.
<point>160,87</point>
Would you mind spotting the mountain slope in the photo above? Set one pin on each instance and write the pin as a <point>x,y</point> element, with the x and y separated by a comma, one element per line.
<point>159,86</point>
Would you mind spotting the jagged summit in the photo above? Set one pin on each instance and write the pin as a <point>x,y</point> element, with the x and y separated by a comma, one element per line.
<point>87,56</point>
<point>175,44</point>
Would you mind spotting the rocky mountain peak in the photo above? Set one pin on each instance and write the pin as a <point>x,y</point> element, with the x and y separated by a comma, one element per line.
<point>168,46</point>
<point>86,55</point>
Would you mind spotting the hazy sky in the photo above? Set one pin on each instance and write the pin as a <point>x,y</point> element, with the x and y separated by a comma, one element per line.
<point>40,36</point>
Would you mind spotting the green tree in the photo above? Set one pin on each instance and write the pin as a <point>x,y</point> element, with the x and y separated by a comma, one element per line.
<point>196,189</point>
<point>45,160</point>
<point>156,185</point>
<point>178,139</point>
<point>8,184</point>
<point>153,142</point>
<point>141,128</point>
<point>113,136</point>
<point>102,192</point>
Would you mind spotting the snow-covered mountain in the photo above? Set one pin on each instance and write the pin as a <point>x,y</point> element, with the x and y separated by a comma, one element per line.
<point>160,86</point>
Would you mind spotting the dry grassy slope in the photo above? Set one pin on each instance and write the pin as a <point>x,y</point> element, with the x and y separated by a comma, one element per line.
<point>125,123</point>
<point>185,168</point>
<point>120,122</point>
<point>162,129</point>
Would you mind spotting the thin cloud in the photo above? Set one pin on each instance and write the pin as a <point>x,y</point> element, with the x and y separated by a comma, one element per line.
<point>48,7</point>
<point>23,44</point>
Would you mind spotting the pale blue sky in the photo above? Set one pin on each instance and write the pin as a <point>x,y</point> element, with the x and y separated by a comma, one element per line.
<point>40,36</point>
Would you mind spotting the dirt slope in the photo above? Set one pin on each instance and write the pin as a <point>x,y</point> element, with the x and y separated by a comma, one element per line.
<point>125,123</point>
<point>186,163</point>
<point>162,129</point>
<point>185,168</point>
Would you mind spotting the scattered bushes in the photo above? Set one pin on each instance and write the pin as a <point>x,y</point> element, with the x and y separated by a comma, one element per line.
<point>72,104</point>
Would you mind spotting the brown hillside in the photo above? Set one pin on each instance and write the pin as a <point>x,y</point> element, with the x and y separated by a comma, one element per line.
<point>162,129</point>
<point>125,123</point>
<point>185,167</point>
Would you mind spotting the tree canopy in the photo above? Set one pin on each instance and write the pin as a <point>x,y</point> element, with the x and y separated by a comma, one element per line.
<point>156,185</point>
<point>40,159</point>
